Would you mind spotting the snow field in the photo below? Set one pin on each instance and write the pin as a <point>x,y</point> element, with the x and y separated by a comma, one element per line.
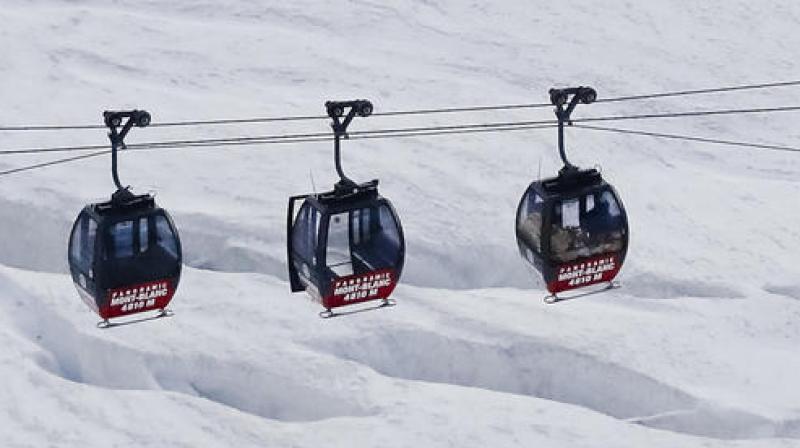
<point>698,349</point>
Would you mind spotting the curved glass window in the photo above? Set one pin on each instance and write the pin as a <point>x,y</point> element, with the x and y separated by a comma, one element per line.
<point>337,254</point>
<point>77,240</point>
<point>363,240</point>
<point>389,232</point>
<point>165,236</point>
<point>82,248</point>
<point>529,221</point>
<point>586,226</point>
<point>144,241</point>
<point>122,239</point>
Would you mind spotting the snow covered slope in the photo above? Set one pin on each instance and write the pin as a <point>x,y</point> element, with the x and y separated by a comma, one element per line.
<point>700,348</point>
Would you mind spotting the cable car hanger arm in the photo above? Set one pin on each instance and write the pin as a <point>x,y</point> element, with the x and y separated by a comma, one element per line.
<point>113,120</point>
<point>336,110</point>
<point>560,97</point>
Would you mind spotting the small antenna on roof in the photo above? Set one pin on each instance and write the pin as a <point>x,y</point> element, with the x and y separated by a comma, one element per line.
<point>540,168</point>
<point>313,185</point>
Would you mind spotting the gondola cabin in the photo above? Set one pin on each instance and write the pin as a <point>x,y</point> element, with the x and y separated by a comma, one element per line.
<point>125,256</point>
<point>345,246</point>
<point>573,229</point>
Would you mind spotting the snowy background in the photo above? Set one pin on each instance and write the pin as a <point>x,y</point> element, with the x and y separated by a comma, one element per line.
<point>700,348</point>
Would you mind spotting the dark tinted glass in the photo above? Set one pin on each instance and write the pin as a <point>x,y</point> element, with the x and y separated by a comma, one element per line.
<point>586,226</point>
<point>122,239</point>
<point>304,233</point>
<point>83,239</point>
<point>529,221</point>
<point>165,236</point>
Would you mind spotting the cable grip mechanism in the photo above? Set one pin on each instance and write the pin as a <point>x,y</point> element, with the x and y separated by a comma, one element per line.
<point>342,114</point>
<point>119,123</point>
<point>569,97</point>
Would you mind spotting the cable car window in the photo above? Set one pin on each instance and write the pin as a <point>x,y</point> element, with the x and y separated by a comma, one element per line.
<point>82,249</point>
<point>378,239</point>
<point>87,248</point>
<point>613,206</point>
<point>122,239</point>
<point>563,239</point>
<point>356,218</point>
<point>165,237</point>
<point>77,239</point>
<point>338,252</point>
<point>364,224</point>
<point>144,243</point>
<point>316,219</point>
<point>388,228</point>
<point>604,224</point>
<point>529,221</point>
<point>570,214</point>
<point>579,230</point>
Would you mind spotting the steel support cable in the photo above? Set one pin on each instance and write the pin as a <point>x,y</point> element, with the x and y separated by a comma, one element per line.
<point>165,124</point>
<point>691,138</point>
<point>387,133</point>
<point>696,113</point>
<point>53,162</point>
<point>699,91</point>
<point>266,138</point>
<point>415,134</point>
<point>325,138</point>
<point>226,121</point>
<point>687,114</point>
<point>468,128</point>
<point>274,119</point>
<point>328,138</point>
<point>279,119</point>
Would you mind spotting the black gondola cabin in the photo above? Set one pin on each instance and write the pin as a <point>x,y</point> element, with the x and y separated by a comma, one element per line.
<point>573,229</point>
<point>125,256</point>
<point>344,246</point>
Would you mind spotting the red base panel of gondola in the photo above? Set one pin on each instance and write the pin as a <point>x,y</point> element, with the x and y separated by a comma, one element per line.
<point>137,299</point>
<point>586,272</point>
<point>376,285</point>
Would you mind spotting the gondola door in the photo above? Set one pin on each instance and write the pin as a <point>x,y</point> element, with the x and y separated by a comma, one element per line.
<point>303,248</point>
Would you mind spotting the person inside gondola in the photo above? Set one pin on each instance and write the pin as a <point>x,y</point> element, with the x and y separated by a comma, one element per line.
<point>603,224</point>
<point>565,232</point>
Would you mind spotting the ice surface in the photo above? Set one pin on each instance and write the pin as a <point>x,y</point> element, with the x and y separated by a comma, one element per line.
<point>699,348</point>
